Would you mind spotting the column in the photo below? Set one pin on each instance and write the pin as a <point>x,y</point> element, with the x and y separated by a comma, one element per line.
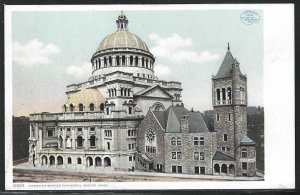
<point>127,60</point>
<point>140,61</point>
<point>101,62</point>
<point>113,60</point>
<point>73,138</point>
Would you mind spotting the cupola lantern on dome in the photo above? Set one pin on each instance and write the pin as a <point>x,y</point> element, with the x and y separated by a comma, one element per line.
<point>122,22</point>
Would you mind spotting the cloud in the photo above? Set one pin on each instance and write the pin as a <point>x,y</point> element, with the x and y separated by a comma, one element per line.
<point>81,71</point>
<point>178,49</point>
<point>161,70</point>
<point>34,53</point>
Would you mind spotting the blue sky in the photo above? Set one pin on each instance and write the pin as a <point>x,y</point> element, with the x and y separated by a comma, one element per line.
<point>52,49</point>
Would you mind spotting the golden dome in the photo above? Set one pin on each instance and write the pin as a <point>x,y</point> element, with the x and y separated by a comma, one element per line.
<point>86,97</point>
<point>122,39</point>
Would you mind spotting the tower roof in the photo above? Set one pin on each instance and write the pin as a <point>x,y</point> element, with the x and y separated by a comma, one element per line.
<point>226,66</point>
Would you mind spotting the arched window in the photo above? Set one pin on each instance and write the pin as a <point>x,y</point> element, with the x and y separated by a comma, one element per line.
<point>79,161</point>
<point>110,61</point>
<point>107,111</point>
<point>229,93</point>
<point>178,141</point>
<point>92,141</point>
<point>71,108</point>
<point>173,141</point>
<point>196,142</point>
<point>218,95</point>
<point>105,62</point>
<point>225,138</point>
<point>131,60</point>
<point>202,141</point>
<point>92,107</point>
<point>80,107</point>
<point>130,110</point>
<point>123,60</point>
<point>69,160</point>
<point>223,94</point>
<point>244,153</point>
<point>146,63</point>
<point>136,61</point>
<point>143,62</point>
<point>129,132</point>
<point>79,142</point>
<point>118,60</point>
<point>101,107</point>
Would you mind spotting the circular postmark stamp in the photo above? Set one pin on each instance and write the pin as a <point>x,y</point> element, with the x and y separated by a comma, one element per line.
<point>250,17</point>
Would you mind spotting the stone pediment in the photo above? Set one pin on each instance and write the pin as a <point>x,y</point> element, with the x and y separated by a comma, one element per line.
<point>155,92</point>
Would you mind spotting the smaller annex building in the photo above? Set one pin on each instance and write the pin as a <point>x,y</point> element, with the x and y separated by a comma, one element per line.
<point>175,141</point>
<point>180,141</point>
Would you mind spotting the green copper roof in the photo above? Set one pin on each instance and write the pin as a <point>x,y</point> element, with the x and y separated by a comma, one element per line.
<point>220,156</point>
<point>245,140</point>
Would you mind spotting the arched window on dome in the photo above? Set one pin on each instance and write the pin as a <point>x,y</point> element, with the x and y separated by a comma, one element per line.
<point>109,61</point>
<point>136,61</point>
<point>65,108</point>
<point>71,108</point>
<point>102,107</point>
<point>105,62</point>
<point>118,60</point>
<point>80,107</point>
<point>92,107</point>
<point>131,60</point>
<point>123,60</point>
<point>146,63</point>
<point>143,62</point>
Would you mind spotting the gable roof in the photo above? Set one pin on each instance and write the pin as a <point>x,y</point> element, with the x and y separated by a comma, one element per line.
<point>170,120</point>
<point>220,156</point>
<point>147,90</point>
<point>226,66</point>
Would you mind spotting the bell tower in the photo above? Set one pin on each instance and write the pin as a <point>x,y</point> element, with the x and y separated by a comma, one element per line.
<point>229,97</point>
<point>229,88</point>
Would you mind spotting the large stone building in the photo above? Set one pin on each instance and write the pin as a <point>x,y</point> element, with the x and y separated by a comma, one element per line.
<point>124,117</point>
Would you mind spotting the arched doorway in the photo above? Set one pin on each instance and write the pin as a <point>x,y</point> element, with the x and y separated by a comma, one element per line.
<point>98,162</point>
<point>60,160</point>
<point>107,162</point>
<point>52,160</point>
<point>89,161</point>
<point>44,160</point>
<point>224,168</point>
<point>231,169</point>
<point>217,168</point>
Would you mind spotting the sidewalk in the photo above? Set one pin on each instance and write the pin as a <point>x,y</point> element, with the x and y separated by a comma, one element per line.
<point>26,166</point>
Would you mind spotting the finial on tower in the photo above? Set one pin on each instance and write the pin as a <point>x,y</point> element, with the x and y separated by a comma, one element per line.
<point>228,47</point>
